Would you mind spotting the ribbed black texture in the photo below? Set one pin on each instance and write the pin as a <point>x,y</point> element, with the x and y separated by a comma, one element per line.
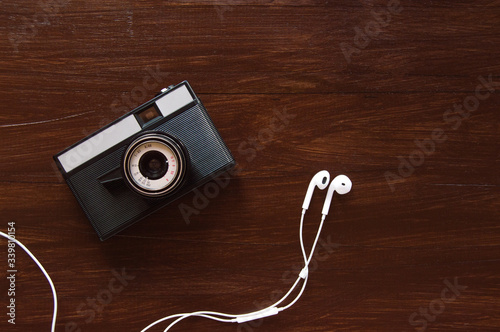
<point>112,210</point>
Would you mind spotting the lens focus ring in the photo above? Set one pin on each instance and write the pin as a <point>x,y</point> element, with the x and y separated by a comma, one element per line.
<point>154,165</point>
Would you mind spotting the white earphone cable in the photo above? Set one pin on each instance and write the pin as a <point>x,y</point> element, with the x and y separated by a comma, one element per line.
<point>54,294</point>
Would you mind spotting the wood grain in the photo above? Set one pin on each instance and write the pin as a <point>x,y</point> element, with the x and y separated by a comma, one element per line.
<point>390,248</point>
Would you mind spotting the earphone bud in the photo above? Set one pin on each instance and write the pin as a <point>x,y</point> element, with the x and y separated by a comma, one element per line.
<point>341,184</point>
<point>319,180</point>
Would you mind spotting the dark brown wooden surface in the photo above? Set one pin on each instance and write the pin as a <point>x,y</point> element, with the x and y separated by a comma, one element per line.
<point>390,247</point>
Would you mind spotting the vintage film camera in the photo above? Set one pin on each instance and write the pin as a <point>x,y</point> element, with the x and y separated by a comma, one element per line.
<point>144,160</point>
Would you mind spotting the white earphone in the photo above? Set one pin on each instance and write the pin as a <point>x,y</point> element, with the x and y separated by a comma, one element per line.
<point>320,180</point>
<point>341,184</point>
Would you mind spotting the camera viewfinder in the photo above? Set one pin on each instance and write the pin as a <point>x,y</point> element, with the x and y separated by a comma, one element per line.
<point>148,114</point>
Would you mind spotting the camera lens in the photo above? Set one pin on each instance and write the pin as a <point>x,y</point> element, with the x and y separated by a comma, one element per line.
<point>153,165</point>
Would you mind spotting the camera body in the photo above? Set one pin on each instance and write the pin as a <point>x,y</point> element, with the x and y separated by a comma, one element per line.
<point>144,160</point>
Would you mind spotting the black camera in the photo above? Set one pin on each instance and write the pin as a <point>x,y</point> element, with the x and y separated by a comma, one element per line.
<point>144,160</point>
